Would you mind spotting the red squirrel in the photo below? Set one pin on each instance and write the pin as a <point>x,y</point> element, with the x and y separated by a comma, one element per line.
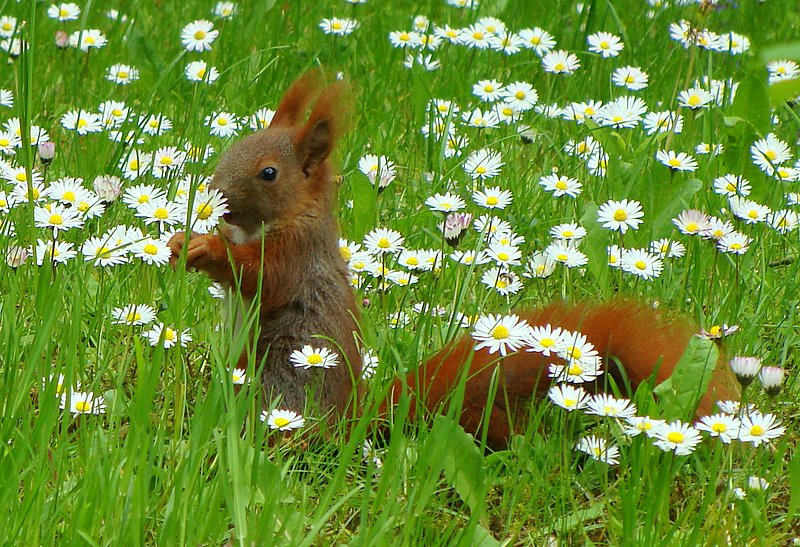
<point>281,233</point>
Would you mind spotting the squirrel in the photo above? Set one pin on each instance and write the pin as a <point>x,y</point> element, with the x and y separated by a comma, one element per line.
<point>281,234</point>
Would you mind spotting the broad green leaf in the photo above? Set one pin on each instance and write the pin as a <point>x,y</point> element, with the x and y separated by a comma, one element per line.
<point>790,50</point>
<point>781,92</point>
<point>794,485</point>
<point>365,204</point>
<point>674,202</point>
<point>679,394</point>
<point>752,103</point>
<point>462,461</point>
<point>596,240</point>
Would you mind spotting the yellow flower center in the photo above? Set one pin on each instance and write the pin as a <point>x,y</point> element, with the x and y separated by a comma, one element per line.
<point>574,369</point>
<point>480,169</point>
<point>500,332</point>
<point>736,246</point>
<point>204,211</point>
<point>69,195</point>
<point>412,261</point>
<point>144,198</point>
<point>314,359</point>
<point>502,256</point>
<point>103,252</point>
<point>478,35</point>
<point>719,427</point>
<point>133,316</point>
<point>604,45</point>
<point>752,213</point>
<point>757,430</point>
<point>771,155</point>
<point>641,265</point>
<point>56,219</point>
<point>561,185</point>
<point>562,257</point>
<point>201,73</point>
<point>345,252</point>
<point>559,67</point>
<point>63,12</point>
<point>568,233</point>
<point>492,200</point>
<point>170,334</point>
<point>574,352</point>
<point>199,35</point>
<point>281,422</point>
<point>21,177</point>
<point>222,121</point>
<point>570,402</point>
<point>519,95</point>
<point>694,100</point>
<point>336,25</point>
<point>151,249</point>
<point>501,283</point>
<point>83,406</point>
<point>123,74</point>
<point>547,342</point>
<point>620,215</point>
<point>384,243</point>
<point>674,162</point>
<point>675,437</point>
<point>165,160</point>
<point>161,213</point>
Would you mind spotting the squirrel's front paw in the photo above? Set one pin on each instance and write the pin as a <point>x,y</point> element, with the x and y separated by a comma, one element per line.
<point>200,252</point>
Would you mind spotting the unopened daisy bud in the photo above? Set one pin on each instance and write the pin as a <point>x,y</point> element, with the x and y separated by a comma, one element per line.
<point>107,187</point>
<point>47,150</point>
<point>745,369</point>
<point>62,39</point>
<point>772,379</point>
<point>16,256</point>
<point>365,303</point>
<point>455,226</point>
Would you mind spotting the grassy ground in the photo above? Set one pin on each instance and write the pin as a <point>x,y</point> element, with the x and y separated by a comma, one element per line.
<point>178,458</point>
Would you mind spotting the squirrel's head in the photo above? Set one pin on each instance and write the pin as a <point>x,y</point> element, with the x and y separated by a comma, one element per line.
<point>281,174</point>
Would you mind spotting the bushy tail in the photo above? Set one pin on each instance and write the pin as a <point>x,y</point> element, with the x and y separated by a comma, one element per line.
<point>643,340</point>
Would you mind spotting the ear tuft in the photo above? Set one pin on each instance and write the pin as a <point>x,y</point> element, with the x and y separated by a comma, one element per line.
<point>329,119</point>
<point>297,98</point>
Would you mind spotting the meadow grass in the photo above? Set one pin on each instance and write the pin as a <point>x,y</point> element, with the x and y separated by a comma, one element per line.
<point>180,457</point>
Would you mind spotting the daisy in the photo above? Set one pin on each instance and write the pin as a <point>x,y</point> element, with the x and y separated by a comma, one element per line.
<point>488,224</point>
<point>760,428</point>
<point>446,32</point>
<point>624,112</point>
<point>310,357</point>
<point>561,185</point>
<point>378,169</point>
<point>415,259</point>
<point>283,420</point>
<point>199,35</point>
<point>113,114</point>
<point>598,449</point>
<point>65,11</point>
<point>564,252</point>
<point>225,10</point>
<point>102,252</point>
<point>569,231</point>
<point>539,266</point>
<point>208,208</point>
<point>506,42</point>
<point>133,314</point>
<point>560,62</point>
<point>507,114</point>
<point>745,368</point>
<point>58,217</point>
<point>521,96</point>
<point>605,44</point>
<point>427,62</point>
<point>151,251</point>
<point>772,379</point>
<point>154,124</point>
<point>475,36</point>
<point>568,397</point>
<point>734,243</point>
<point>9,142</point>
<point>261,118</point>
<point>677,437</point>
<point>79,402</point>
<point>717,332</point>
<point>642,424</point>
<point>87,39</point>
<point>724,426</point>
<point>68,190</point>
<point>479,118</point>
<point>537,39</point>
<point>642,263</point>
<point>503,281</point>
<point>167,160</point>
<point>748,210</point>
<point>782,69</point>
<point>620,215</point>
<point>677,162</point>
<point>784,221</point>
<point>122,74</point>
<point>199,71</point>
<point>337,26</point>
<point>239,376</point>
<point>16,256</point>
<point>82,122</point>
<point>8,27</point>
<point>383,241</point>
<point>666,121</point>
<point>493,197</point>
<point>707,148</point>
<point>630,77</point>
<point>579,113</point>
<point>732,185</point>
<point>369,364</point>
<point>770,152</point>
<point>500,333</point>
<point>483,164</point>
<point>162,335</point>
<point>694,98</point>
<point>666,248</point>
<point>504,255</point>
<point>445,203</point>
<point>222,124</point>
<point>546,340</point>
<point>691,222</point>
<point>140,194</point>
<point>405,39</point>
<point>53,252</point>
<point>575,371</point>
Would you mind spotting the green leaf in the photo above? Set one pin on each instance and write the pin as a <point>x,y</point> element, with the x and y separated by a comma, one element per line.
<point>790,50</point>
<point>482,538</point>
<point>752,103</point>
<point>596,240</point>
<point>462,461</point>
<point>794,485</point>
<point>674,202</point>
<point>679,394</point>
<point>784,91</point>
<point>365,206</point>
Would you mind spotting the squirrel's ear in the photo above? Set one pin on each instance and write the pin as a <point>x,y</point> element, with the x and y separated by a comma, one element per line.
<point>327,122</point>
<point>295,101</point>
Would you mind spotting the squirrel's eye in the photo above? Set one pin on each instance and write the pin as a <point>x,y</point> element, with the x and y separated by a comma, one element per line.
<point>268,173</point>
